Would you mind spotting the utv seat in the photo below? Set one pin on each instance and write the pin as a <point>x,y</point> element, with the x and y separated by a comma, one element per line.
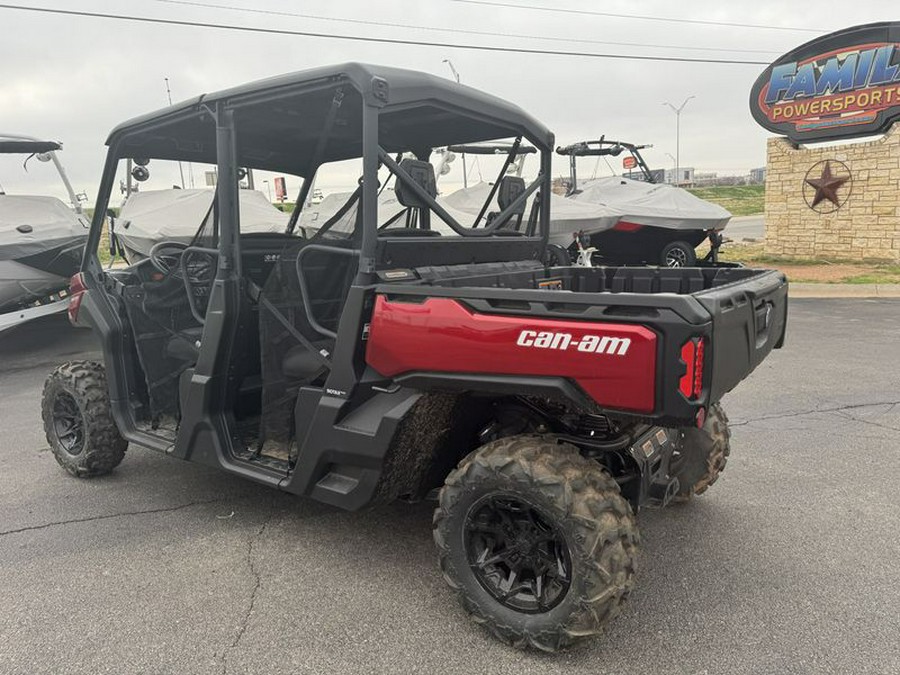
<point>508,190</point>
<point>417,211</point>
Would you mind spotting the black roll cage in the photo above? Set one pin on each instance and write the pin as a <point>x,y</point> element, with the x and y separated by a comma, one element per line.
<point>275,126</point>
<point>439,210</point>
<point>399,173</point>
<point>374,156</point>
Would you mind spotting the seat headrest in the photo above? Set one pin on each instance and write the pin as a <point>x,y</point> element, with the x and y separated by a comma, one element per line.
<point>508,191</point>
<point>423,174</point>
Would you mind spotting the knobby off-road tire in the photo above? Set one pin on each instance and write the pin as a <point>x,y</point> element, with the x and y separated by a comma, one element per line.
<point>78,421</point>
<point>564,496</point>
<point>703,454</point>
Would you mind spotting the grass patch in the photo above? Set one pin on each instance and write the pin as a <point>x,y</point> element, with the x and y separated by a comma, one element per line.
<point>741,200</point>
<point>886,274</point>
<point>755,253</point>
<point>814,271</point>
<point>103,249</point>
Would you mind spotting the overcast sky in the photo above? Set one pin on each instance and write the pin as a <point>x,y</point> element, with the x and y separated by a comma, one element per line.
<point>73,79</point>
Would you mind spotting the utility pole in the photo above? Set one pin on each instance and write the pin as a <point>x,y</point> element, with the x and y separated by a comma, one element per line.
<point>677,112</point>
<point>465,173</point>
<point>169,96</point>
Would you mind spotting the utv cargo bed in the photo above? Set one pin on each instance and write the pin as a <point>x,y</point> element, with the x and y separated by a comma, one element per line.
<point>660,344</point>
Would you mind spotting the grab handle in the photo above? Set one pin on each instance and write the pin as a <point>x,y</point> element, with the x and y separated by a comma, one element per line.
<point>304,291</point>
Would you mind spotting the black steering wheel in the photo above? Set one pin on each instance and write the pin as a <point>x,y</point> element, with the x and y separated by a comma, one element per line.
<point>166,256</point>
<point>194,265</point>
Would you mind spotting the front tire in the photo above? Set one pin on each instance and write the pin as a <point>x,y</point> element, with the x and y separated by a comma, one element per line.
<point>78,422</point>
<point>536,540</point>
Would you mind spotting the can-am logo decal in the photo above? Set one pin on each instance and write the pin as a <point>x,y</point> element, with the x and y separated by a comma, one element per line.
<point>842,85</point>
<point>596,344</point>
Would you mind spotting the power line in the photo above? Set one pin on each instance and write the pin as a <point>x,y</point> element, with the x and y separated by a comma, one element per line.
<point>640,17</point>
<point>376,40</point>
<point>462,31</point>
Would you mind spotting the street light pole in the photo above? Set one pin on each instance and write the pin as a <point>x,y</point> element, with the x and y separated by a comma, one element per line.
<point>677,112</point>
<point>456,75</point>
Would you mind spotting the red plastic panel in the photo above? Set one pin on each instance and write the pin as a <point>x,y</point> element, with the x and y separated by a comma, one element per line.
<point>614,363</point>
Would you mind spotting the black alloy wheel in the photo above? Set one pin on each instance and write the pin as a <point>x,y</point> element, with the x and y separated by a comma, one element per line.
<point>676,257</point>
<point>516,554</point>
<point>68,423</point>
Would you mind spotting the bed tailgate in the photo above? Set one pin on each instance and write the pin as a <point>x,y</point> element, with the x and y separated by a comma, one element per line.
<point>749,321</point>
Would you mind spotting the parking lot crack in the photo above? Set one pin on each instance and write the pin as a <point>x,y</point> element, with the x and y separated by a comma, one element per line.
<point>257,582</point>
<point>839,410</point>
<point>108,516</point>
<point>869,422</point>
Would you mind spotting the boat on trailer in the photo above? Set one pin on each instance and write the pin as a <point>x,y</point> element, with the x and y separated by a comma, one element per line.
<point>42,239</point>
<point>656,223</point>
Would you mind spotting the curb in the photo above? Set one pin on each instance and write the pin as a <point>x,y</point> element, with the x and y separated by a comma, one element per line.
<point>808,290</point>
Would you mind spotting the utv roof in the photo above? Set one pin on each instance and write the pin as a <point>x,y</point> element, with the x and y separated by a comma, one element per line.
<point>281,119</point>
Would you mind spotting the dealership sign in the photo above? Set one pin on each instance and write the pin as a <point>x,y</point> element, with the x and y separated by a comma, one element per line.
<point>842,85</point>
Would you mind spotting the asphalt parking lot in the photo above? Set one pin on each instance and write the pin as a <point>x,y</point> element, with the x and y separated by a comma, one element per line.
<point>787,565</point>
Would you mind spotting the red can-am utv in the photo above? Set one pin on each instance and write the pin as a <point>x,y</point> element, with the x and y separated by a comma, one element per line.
<point>365,361</point>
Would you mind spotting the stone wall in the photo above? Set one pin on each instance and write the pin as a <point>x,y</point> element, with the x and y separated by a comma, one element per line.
<point>866,226</point>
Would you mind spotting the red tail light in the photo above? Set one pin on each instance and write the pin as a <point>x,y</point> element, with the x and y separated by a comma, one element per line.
<point>76,293</point>
<point>692,353</point>
<point>625,226</point>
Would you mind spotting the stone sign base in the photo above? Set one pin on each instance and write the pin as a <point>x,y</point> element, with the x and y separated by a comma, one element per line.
<point>834,202</point>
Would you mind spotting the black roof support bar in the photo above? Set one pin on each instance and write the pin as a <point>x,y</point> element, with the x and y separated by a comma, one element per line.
<point>510,158</point>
